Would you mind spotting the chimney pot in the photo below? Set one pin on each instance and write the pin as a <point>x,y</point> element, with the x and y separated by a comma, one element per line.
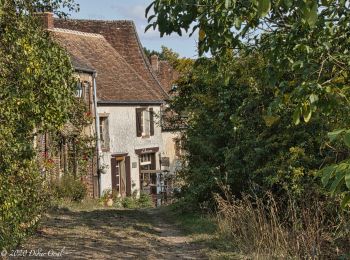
<point>155,63</point>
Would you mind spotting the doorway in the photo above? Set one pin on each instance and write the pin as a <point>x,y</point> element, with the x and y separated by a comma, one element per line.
<point>148,178</point>
<point>120,171</point>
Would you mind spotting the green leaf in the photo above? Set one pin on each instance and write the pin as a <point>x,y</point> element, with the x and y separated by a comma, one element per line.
<point>310,13</point>
<point>264,7</point>
<point>270,120</point>
<point>238,23</point>
<point>287,3</point>
<point>298,64</point>
<point>345,201</point>
<point>347,179</point>
<point>334,135</point>
<point>296,116</point>
<point>227,4</point>
<point>307,113</point>
<point>148,9</point>
<point>148,26</point>
<point>339,178</point>
<point>313,98</point>
<point>326,174</point>
<point>346,139</point>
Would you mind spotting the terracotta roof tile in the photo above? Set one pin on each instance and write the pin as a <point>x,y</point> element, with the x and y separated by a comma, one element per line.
<point>116,79</point>
<point>123,37</point>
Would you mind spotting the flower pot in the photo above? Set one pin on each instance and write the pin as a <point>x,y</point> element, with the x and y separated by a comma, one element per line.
<point>109,202</point>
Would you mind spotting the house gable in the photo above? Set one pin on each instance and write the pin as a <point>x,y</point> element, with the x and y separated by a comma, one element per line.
<point>117,81</point>
<point>122,36</point>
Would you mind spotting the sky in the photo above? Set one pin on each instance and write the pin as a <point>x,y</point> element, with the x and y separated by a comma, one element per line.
<point>135,10</point>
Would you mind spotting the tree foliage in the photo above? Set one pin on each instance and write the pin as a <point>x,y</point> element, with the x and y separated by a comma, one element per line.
<point>36,94</point>
<point>304,44</point>
<point>232,139</point>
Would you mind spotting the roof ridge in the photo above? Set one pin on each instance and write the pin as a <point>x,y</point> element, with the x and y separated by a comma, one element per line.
<point>95,20</point>
<point>146,61</point>
<point>61,30</point>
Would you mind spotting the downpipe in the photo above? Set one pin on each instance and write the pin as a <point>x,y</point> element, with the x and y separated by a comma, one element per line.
<point>97,126</point>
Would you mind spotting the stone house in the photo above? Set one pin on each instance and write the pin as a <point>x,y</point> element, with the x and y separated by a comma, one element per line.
<point>135,155</point>
<point>58,151</point>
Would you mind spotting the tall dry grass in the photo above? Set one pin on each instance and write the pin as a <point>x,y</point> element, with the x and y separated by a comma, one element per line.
<point>259,229</point>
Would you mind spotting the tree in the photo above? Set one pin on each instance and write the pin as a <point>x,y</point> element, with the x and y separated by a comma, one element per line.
<point>304,44</point>
<point>232,139</point>
<point>36,92</point>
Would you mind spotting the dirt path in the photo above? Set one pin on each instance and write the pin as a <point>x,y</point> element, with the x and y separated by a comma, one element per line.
<point>110,234</point>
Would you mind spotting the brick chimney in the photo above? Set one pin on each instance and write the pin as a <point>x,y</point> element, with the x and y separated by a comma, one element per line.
<point>155,63</point>
<point>46,19</point>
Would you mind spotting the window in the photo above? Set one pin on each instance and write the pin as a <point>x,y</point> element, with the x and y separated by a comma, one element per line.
<point>104,133</point>
<point>144,122</point>
<point>79,90</point>
<point>83,91</point>
<point>146,161</point>
<point>148,180</point>
<point>87,94</point>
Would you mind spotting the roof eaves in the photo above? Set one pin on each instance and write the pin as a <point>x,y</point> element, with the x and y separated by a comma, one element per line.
<point>91,71</point>
<point>129,102</point>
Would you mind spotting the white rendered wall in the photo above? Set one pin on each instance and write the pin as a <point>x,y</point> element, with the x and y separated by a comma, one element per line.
<point>123,139</point>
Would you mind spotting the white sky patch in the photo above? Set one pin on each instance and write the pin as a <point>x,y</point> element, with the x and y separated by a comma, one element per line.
<point>134,12</point>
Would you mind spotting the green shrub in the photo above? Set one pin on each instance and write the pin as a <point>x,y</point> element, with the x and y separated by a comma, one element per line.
<point>23,199</point>
<point>145,201</point>
<point>70,188</point>
<point>129,203</point>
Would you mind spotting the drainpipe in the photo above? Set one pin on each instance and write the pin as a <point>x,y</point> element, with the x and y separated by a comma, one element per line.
<point>97,126</point>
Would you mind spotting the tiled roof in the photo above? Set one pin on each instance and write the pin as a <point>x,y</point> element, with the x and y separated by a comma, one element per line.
<point>80,65</point>
<point>122,36</point>
<point>167,75</point>
<point>117,81</point>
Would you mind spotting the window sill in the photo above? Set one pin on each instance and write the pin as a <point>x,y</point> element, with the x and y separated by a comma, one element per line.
<point>145,135</point>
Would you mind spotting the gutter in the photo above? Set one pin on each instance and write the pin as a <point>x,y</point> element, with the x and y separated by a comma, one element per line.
<point>85,70</point>
<point>130,102</point>
<point>97,126</point>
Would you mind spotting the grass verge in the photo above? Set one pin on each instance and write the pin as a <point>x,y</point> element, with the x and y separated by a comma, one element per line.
<point>203,229</point>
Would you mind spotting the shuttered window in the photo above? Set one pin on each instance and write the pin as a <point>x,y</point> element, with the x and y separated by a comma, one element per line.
<point>139,121</point>
<point>151,122</point>
<point>144,122</point>
<point>104,133</point>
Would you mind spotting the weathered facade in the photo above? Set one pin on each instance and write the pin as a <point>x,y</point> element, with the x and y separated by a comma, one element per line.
<point>58,152</point>
<point>134,154</point>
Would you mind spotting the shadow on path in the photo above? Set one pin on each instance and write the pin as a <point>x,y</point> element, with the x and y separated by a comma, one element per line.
<point>111,234</point>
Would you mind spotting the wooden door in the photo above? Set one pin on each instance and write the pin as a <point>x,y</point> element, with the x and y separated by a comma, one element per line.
<point>115,172</point>
<point>121,179</point>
